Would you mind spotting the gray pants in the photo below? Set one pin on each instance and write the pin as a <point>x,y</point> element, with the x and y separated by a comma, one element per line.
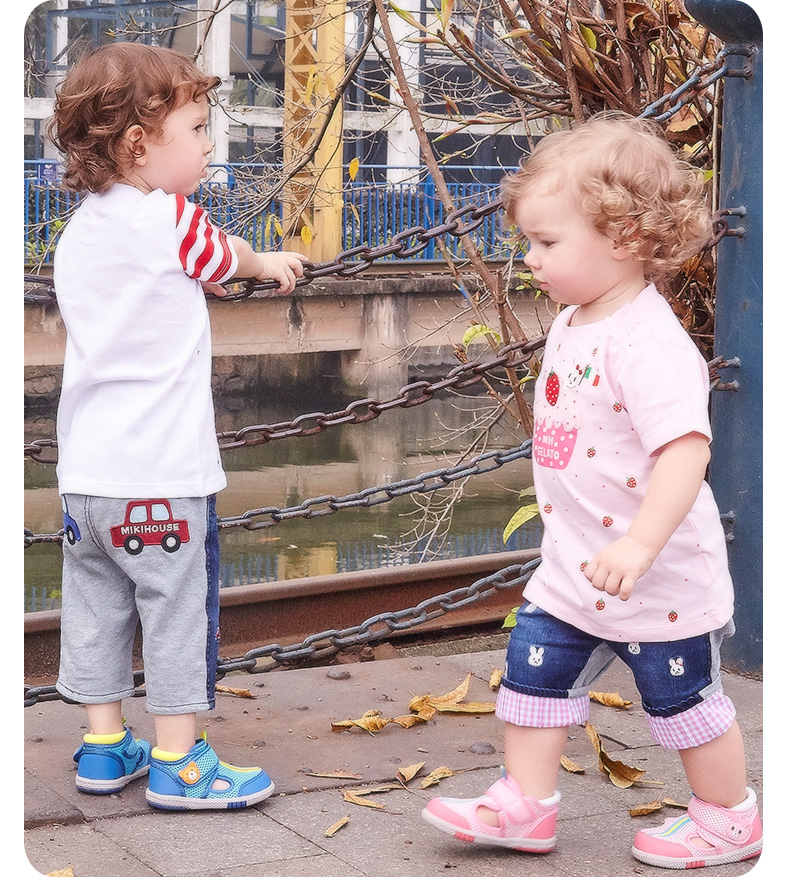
<point>155,562</point>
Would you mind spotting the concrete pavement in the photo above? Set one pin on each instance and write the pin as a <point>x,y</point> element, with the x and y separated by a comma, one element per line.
<point>287,729</point>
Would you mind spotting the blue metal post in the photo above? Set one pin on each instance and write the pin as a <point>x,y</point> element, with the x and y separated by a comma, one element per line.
<point>736,474</point>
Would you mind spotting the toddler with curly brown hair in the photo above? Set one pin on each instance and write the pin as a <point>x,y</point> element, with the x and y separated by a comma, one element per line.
<point>138,459</point>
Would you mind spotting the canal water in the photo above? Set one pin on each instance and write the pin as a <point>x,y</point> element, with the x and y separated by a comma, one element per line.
<point>464,519</point>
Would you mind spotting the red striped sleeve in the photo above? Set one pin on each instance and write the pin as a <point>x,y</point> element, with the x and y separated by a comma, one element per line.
<point>204,250</point>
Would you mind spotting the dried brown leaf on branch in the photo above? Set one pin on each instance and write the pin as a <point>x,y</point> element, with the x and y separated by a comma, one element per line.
<point>561,62</point>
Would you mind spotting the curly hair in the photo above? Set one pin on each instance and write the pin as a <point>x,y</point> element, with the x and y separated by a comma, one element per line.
<point>109,90</point>
<point>630,182</point>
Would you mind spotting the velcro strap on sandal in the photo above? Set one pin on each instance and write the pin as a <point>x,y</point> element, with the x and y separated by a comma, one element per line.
<point>717,825</point>
<point>514,808</point>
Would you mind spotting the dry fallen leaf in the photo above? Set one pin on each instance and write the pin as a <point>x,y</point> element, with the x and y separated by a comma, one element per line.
<point>409,720</point>
<point>68,872</point>
<point>570,766</point>
<point>371,721</point>
<point>620,774</point>
<point>495,679</point>
<point>610,699</point>
<point>406,774</point>
<point>336,826</point>
<point>436,775</point>
<point>239,693</point>
<point>371,789</point>
<point>643,809</point>
<point>362,802</point>
<point>451,701</point>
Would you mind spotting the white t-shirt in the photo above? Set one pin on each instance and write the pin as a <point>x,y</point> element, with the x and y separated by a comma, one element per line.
<point>609,395</point>
<point>136,415</point>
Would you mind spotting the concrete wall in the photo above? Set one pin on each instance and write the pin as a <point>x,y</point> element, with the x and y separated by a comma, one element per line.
<point>373,333</point>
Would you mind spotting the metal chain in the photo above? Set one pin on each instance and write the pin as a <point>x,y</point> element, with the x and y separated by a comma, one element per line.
<point>359,411</point>
<point>703,77</point>
<point>317,507</point>
<point>412,241</point>
<point>320,646</point>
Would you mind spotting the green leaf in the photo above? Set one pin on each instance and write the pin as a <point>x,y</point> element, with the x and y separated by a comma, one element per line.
<point>519,518</point>
<point>445,13</point>
<point>474,332</point>
<point>510,620</point>
<point>407,17</point>
<point>589,36</point>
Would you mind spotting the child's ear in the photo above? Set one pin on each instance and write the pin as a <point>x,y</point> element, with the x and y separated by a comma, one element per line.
<point>134,138</point>
<point>620,252</point>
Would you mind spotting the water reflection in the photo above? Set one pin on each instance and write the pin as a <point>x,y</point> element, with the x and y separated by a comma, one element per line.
<point>401,444</point>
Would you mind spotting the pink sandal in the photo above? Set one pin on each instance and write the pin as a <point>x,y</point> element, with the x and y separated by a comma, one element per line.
<point>732,835</point>
<point>525,824</point>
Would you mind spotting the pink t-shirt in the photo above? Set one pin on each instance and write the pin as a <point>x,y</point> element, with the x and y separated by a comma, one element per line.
<point>609,395</point>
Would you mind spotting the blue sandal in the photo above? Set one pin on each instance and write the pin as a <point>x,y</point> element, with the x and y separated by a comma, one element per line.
<point>106,768</point>
<point>201,781</point>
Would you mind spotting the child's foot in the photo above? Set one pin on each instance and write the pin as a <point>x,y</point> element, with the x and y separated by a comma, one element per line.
<point>105,764</point>
<point>525,824</point>
<point>707,835</point>
<point>201,781</point>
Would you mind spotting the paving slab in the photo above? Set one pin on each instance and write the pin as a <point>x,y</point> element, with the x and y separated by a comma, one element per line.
<point>286,727</point>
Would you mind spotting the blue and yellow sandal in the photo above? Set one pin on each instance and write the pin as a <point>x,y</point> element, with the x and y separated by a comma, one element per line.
<point>105,764</point>
<point>199,780</point>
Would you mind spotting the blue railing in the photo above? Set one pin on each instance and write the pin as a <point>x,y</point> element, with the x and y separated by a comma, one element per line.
<point>374,210</point>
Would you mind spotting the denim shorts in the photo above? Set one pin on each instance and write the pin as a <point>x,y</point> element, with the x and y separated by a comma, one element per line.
<point>550,659</point>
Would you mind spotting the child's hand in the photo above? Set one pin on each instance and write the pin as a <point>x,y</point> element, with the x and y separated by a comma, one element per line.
<point>214,288</point>
<point>284,266</point>
<point>618,566</point>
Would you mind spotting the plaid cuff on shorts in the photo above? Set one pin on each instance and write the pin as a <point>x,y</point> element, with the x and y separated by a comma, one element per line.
<point>695,726</point>
<point>537,711</point>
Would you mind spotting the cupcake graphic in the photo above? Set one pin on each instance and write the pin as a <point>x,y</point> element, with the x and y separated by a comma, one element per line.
<point>559,416</point>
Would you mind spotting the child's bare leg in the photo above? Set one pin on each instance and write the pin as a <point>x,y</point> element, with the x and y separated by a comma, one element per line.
<point>532,758</point>
<point>106,719</point>
<point>716,771</point>
<point>175,733</point>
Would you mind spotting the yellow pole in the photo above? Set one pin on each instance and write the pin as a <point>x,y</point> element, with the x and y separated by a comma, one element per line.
<point>314,66</point>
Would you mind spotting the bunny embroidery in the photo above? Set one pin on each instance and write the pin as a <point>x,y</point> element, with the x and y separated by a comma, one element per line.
<point>634,648</point>
<point>535,656</point>
<point>676,667</point>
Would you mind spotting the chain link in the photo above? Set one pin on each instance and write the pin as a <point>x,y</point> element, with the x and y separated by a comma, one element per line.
<point>317,507</point>
<point>320,646</point>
